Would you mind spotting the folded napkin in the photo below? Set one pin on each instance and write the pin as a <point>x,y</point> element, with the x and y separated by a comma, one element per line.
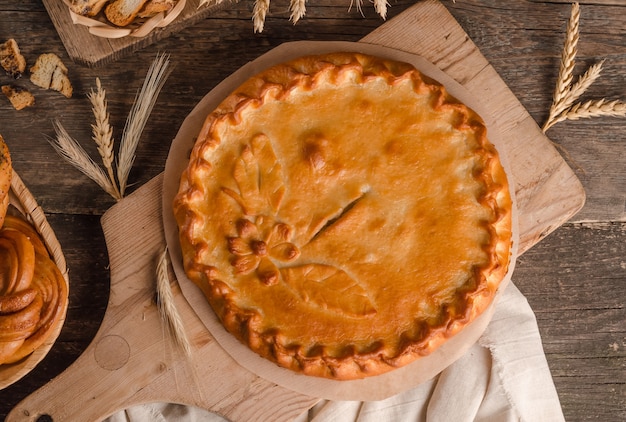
<point>504,377</point>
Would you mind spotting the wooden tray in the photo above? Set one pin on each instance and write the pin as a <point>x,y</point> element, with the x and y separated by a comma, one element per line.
<point>23,203</point>
<point>90,50</point>
<point>131,359</point>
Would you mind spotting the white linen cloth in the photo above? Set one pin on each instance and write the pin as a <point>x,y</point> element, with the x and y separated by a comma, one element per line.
<point>504,377</point>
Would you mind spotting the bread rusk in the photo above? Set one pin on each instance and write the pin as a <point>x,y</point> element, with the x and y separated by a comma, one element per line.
<point>11,59</point>
<point>87,7</point>
<point>49,72</point>
<point>123,12</point>
<point>20,97</point>
<point>153,7</point>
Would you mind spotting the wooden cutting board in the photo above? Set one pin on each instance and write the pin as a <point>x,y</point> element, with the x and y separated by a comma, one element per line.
<point>132,360</point>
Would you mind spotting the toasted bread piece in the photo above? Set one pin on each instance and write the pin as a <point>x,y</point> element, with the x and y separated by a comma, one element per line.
<point>11,59</point>
<point>123,12</point>
<point>49,72</point>
<point>87,7</point>
<point>20,97</point>
<point>154,7</point>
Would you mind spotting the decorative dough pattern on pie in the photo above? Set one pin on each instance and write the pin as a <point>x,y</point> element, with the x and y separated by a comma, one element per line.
<point>344,215</point>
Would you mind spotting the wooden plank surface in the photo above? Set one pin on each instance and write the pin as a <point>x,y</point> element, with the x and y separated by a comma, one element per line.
<point>133,330</point>
<point>601,2</point>
<point>574,279</point>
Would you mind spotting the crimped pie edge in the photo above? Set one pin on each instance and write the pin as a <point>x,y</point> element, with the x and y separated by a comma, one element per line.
<point>354,366</point>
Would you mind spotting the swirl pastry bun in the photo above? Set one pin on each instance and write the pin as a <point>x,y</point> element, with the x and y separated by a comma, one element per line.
<point>6,170</point>
<point>33,291</point>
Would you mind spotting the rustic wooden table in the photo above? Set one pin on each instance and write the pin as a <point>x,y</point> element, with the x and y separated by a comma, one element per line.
<point>574,279</point>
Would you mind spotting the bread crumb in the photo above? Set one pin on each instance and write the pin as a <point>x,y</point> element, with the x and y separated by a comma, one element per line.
<point>20,98</point>
<point>11,59</point>
<point>49,72</point>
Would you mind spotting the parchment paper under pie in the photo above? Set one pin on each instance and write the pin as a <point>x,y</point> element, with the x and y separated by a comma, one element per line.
<point>367,389</point>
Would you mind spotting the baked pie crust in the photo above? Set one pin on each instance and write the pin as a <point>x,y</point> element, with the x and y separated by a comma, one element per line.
<point>344,215</point>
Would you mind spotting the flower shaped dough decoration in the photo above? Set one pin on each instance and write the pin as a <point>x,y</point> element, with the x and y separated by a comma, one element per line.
<point>258,244</point>
<point>263,244</point>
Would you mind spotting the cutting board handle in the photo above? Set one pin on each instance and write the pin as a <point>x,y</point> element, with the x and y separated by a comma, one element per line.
<point>132,359</point>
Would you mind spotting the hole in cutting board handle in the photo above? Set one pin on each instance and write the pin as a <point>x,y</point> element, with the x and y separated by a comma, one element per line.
<point>45,418</point>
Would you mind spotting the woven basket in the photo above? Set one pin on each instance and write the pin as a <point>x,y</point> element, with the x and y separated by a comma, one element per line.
<point>22,202</point>
<point>101,27</point>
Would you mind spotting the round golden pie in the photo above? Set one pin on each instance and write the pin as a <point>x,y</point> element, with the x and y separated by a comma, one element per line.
<point>344,215</point>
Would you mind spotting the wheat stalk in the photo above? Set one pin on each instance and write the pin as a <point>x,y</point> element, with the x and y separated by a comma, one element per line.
<point>259,12</point>
<point>574,92</point>
<point>566,68</point>
<point>593,108</point>
<point>209,2</point>
<point>581,85</point>
<point>137,118</point>
<point>359,6</point>
<point>566,93</point>
<point>381,8</point>
<point>68,148</point>
<point>298,9</point>
<point>167,309</point>
<point>103,132</point>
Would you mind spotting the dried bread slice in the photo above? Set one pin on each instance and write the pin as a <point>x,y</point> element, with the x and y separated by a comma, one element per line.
<point>49,72</point>
<point>153,7</point>
<point>20,97</point>
<point>123,12</point>
<point>87,7</point>
<point>11,59</point>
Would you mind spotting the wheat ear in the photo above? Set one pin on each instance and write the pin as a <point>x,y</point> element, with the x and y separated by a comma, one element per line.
<point>566,69</point>
<point>261,7</point>
<point>102,131</point>
<point>138,117</point>
<point>298,9</point>
<point>593,108</point>
<point>68,148</point>
<point>574,93</point>
<point>581,85</point>
<point>381,8</point>
<point>167,308</point>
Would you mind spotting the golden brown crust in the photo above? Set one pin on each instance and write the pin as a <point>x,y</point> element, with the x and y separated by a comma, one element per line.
<point>11,59</point>
<point>19,97</point>
<point>49,72</point>
<point>344,215</point>
<point>6,171</point>
<point>33,292</point>
<point>51,287</point>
